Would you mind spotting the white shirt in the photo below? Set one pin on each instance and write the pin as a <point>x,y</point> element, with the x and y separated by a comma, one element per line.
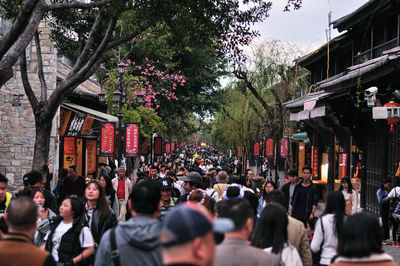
<point>395,192</point>
<point>330,239</point>
<point>85,237</point>
<point>212,194</point>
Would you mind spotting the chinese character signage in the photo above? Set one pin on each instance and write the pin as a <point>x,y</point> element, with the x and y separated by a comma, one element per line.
<point>168,148</point>
<point>157,146</point>
<point>132,139</point>
<point>284,148</point>
<point>69,145</point>
<point>269,147</point>
<point>107,139</point>
<point>145,147</point>
<point>256,148</point>
<point>75,125</point>
<point>314,161</point>
<point>91,165</point>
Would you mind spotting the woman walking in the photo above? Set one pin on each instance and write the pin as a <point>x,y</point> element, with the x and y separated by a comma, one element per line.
<point>328,227</point>
<point>350,195</point>
<point>69,240</point>
<point>111,195</point>
<point>384,207</point>
<point>45,215</point>
<point>271,235</point>
<point>98,212</point>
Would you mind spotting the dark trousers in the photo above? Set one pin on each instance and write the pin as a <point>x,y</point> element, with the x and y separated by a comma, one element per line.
<point>384,212</point>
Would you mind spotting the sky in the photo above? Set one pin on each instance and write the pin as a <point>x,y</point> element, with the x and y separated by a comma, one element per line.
<point>305,27</point>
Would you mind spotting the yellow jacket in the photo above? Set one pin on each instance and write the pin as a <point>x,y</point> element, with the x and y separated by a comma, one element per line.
<point>8,200</point>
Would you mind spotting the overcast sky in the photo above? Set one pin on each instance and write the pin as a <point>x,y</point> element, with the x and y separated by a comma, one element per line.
<point>305,27</point>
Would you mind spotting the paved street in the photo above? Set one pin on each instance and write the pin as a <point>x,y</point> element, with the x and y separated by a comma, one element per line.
<point>393,251</point>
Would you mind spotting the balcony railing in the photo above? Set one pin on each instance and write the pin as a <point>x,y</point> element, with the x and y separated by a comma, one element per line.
<point>375,52</point>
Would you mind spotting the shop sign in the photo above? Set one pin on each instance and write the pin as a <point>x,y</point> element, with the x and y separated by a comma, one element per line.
<point>69,159</point>
<point>75,125</point>
<point>107,139</point>
<point>69,145</point>
<point>87,126</point>
<point>256,148</point>
<point>269,147</point>
<point>168,148</point>
<point>157,146</point>
<point>145,147</point>
<point>91,156</point>
<point>284,148</point>
<point>314,161</point>
<point>132,139</point>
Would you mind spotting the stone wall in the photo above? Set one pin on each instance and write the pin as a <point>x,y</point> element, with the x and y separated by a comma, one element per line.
<point>17,123</point>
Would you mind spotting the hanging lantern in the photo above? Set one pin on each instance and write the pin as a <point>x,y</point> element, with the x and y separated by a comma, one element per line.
<point>392,121</point>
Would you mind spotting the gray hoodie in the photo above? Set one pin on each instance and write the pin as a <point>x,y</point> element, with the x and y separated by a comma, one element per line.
<point>137,241</point>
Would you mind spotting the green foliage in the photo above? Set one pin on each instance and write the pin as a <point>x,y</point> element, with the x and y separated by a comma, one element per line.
<point>149,121</point>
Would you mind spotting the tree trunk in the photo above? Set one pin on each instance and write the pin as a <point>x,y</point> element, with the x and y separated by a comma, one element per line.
<point>42,143</point>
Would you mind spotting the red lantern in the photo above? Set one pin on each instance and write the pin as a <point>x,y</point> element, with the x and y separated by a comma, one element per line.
<point>392,121</point>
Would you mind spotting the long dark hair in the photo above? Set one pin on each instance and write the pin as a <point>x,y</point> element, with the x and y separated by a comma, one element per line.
<point>361,236</point>
<point>335,204</point>
<point>102,205</point>
<point>348,181</point>
<point>265,184</point>
<point>109,190</point>
<point>271,229</point>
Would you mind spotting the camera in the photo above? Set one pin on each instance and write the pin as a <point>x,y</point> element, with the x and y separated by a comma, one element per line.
<point>370,96</point>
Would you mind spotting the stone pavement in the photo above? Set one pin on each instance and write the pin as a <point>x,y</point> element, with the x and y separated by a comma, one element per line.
<point>393,251</point>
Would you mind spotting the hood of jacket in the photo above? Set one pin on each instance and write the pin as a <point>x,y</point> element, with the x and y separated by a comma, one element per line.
<point>142,232</point>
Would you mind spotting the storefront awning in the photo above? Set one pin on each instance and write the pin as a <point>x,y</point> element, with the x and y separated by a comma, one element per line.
<point>103,117</point>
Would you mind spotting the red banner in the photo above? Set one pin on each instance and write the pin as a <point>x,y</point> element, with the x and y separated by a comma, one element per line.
<point>240,153</point>
<point>314,161</point>
<point>145,147</point>
<point>269,147</point>
<point>132,132</point>
<point>69,145</point>
<point>284,148</point>
<point>256,148</point>
<point>168,147</point>
<point>91,165</point>
<point>107,139</point>
<point>173,146</point>
<point>157,146</point>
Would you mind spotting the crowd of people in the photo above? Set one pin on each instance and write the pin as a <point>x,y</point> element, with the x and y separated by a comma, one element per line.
<point>196,208</point>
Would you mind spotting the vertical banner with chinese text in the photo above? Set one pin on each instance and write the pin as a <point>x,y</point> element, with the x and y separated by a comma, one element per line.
<point>256,148</point>
<point>69,151</point>
<point>157,146</point>
<point>168,147</point>
<point>132,133</point>
<point>107,139</point>
<point>284,148</point>
<point>314,161</point>
<point>145,147</point>
<point>269,147</point>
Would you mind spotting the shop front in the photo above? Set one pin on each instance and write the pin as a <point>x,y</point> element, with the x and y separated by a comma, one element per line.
<point>80,138</point>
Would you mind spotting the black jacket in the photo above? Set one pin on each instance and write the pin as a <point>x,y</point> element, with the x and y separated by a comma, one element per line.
<point>100,226</point>
<point>70,246</point>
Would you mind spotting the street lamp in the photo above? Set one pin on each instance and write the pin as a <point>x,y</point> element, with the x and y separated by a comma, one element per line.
<point>120,95</point>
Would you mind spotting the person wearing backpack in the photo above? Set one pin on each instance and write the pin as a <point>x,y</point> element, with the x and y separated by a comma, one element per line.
<point>394,197</point>
<point>135,242</point>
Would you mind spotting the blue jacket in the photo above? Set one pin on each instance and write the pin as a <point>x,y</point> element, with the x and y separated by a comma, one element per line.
<point>382,195</point>
<point>312,199</point>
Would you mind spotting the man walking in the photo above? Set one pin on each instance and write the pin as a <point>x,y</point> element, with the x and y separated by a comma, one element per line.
<point>305,197</point>
<point>167,201</point>
<point>235,250</point>
<point>135,242</point>
<point>16,247</point>
<point>123,187</point>
<point>288,188</point>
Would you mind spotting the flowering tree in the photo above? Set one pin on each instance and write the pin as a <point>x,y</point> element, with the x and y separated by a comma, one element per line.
<point>153,83</point>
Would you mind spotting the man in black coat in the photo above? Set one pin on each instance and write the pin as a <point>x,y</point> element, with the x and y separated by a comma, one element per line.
<point>288,188</point>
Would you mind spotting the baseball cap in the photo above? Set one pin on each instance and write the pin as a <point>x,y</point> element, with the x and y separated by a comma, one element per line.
<point>188,221</point>
<point>194,178</point>
<point>165,183</point>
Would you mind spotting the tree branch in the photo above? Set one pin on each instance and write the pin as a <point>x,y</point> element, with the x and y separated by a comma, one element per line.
<point>27,86</point>
<point>18,26</point>
<point>126,38</point>
<point>243,76</point>
<point>89,43</point>
<point>43,85</point>
<point>77,4</point>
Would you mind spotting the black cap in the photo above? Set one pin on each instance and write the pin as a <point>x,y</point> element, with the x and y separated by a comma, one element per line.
<point>165,183</point>
<point>194,178</point>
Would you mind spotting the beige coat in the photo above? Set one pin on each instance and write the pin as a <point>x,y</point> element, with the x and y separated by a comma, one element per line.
<point>128,187</point>
<point>297,236</point>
